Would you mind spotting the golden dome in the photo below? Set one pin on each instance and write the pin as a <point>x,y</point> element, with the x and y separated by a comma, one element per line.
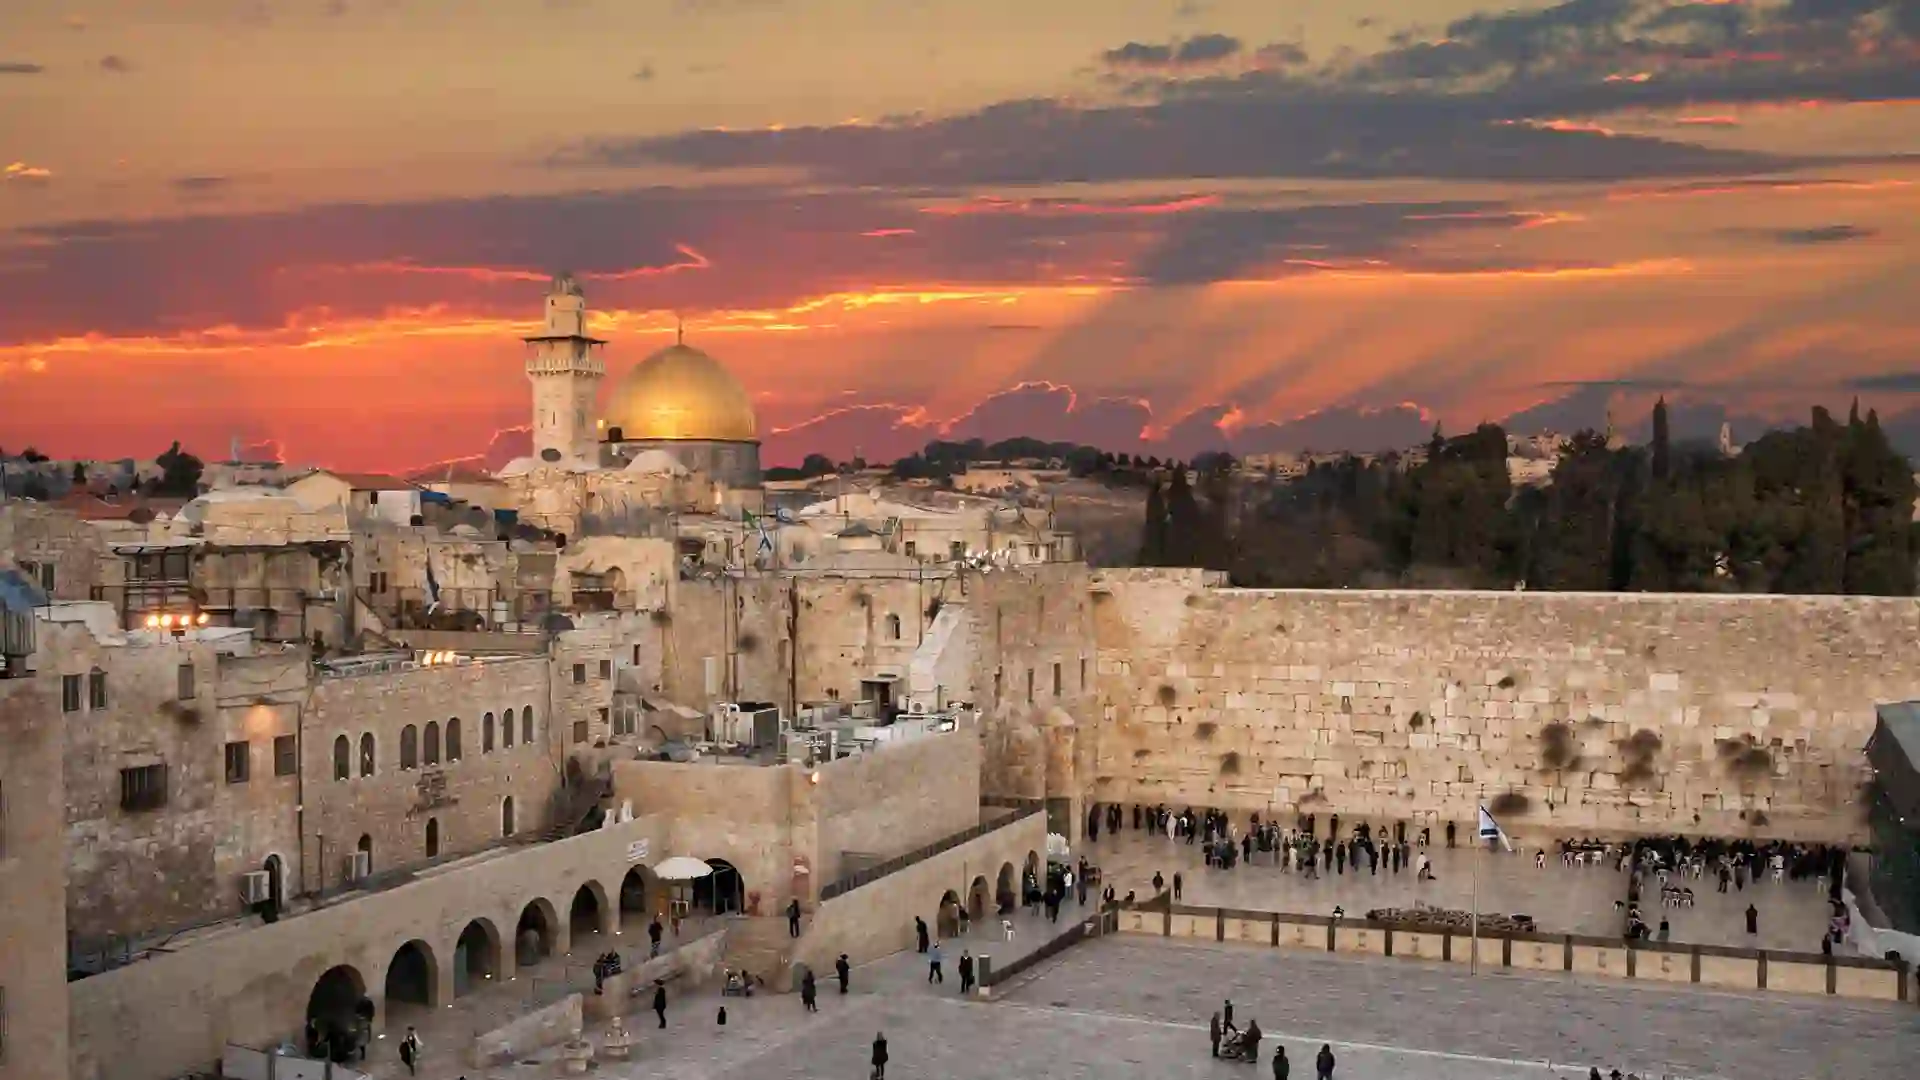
<point>680,393</point>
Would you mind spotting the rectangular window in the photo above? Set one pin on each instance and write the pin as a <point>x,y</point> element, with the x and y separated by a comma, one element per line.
<point>579,674</point>
<point>143,787</point>
<point>286,760</point>
<point>606,669</point>
<point>1029,686</point>
<point>579,731</point>
<point>186,682</point>
<point>603,719</point>
<point>912,549</point>
<point>97,689</point>
<point>377,582</point>
<point>69,693</point>
<point>238,762</point>
<point>636,656</point>
<point>46,578</point>
<point>957,550</point>
<point>1056,680</point>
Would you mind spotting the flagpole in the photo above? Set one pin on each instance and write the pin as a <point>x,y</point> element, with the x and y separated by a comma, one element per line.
<point>1473,926</point>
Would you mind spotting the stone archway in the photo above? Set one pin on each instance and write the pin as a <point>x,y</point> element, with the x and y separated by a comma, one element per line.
<point>412,983</point>
<point>722,891</point>
<point>946,921</point>
<point>640,891</point>
<point>535,934</point>
<point>978,897</point>
<point>1006,895</point>
<point>476,957</point>
<point>333,1027</point>
<point>587,916</point>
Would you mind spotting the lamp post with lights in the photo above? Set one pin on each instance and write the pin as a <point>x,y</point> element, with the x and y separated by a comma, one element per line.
<point>176,623</point>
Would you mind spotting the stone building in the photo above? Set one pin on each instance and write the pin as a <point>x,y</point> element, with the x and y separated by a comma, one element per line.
<point>33,955</point>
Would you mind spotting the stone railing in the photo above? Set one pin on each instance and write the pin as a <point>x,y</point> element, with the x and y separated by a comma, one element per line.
<point>900,862</point>
<point>1105,921</point>
<point>1717,966</point>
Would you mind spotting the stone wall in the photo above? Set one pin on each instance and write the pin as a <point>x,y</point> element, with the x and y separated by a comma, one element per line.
<point>556,1023</point>
<point>1569,713</point>
<point>463,799</point>
<point>140,870</point>
<point>740,813</point>
<point>33,533</point>
<point>896,799</point>
<point>876,919</point>
<point>33,954</point>
<point>173,1012</point>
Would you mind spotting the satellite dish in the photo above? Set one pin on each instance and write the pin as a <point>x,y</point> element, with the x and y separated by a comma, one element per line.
<point>549,454</point>
<point>140,515</point>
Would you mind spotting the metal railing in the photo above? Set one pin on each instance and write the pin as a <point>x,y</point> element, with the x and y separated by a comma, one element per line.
<point>900,862</point>
<point>1105,921</point>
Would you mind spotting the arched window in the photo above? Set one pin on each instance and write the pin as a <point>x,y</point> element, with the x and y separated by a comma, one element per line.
<point>526,725</point>
<point>430,745</point>
<point>506,816</point>
<point>453,739</point>
<point>342,758</point>
<point>486,734</point>
<point>409,747</point>
<point>893,627</point>
<point>506,729</point>
<point>366,754</point>
<point>433,837</point>
<point>366,846</point>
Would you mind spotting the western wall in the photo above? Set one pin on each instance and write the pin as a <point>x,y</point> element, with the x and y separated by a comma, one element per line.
<point>1568,713</point>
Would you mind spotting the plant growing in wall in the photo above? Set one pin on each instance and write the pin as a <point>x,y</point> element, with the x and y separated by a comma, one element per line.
<point>1417,721</point>
<point>1640,750</point>
<point>1230,763</point>
<point>1204,730</point>
<point>1557,748</point>
<point>749,642</point>
<point>1166,694</point>
<point>1510,804</point>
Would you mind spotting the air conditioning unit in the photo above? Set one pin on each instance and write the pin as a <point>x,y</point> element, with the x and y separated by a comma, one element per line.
<point>256,887</point>
<point>916,708</point>
<point>359,865</point>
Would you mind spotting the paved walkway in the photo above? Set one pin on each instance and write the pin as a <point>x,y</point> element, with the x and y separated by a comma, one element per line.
<point>1566,900</point>
<point>1126,1007</point>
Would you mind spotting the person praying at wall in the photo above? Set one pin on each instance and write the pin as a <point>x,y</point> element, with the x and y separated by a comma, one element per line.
<point>1450,828</point>
<point>1340,858</point>
<point>1246,848</point>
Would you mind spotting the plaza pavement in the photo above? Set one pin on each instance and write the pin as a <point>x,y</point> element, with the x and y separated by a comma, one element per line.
<point>1561,899</point>
<point>1127,1006</point>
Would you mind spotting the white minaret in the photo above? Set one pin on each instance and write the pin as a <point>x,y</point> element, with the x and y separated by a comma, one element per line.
<point>566,375</point>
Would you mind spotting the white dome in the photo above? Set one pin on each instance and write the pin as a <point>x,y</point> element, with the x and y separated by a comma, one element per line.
<point>656,463</point>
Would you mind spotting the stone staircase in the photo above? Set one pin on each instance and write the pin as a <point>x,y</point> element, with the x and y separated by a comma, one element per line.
<point>761,945</point>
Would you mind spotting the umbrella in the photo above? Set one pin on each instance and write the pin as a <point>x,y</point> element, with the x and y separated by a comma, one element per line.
<point>682,868</point>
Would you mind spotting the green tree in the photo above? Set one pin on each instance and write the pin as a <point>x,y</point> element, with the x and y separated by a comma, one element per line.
<point>179,473</point>
<point>1153,532</point>
<point>1662,448</point>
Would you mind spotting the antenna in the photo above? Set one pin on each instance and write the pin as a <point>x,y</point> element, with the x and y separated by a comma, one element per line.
<point>679,329</point>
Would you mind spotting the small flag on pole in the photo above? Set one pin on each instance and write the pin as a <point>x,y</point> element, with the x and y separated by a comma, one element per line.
<point>1490,829</point>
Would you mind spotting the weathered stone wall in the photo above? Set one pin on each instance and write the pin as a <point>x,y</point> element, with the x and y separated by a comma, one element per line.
<point>33,533</point>
<point>464,797</point>
<point>740,813</point>
<point>33,954</point>
<point>173,1012</point>
<point>138,871</point>
<point>897,799</point>
<point>1578,713</point>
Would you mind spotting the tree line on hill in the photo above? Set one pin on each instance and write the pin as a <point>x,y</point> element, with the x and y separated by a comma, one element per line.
<point>179,476</point>
<point>1824,508</point>
<point>941,460</point>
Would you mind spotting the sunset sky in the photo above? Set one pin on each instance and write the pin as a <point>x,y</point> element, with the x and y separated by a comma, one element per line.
<point>320,226</point>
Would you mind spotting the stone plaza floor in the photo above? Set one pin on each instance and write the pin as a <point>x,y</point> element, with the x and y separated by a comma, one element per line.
<point>1561,899</point>
<point>1137,1007</point>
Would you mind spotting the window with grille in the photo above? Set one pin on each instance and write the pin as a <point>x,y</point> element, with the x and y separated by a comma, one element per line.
<point>143,787</point>
<point>186,682</point>
<point>69,693</point>
<point>286,758</point>
<point>239,762</point>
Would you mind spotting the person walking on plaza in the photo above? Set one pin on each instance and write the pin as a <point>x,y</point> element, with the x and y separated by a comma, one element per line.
<point>1281,1066</point>
<point>1177,883</point>
<point>793,917</point>
<point>653,935</point>
<point>660,1002</point>
<point>1226,1014</point>
<point>410,1052</point>
<point>966,971</point>
<point>920,932</point>
<point>809,992</point>
<point>840,970</point>
<point>1324,1063</point>
<point>880,1056</point>
<point>1159,883</point>
<point>1213,1033</point>
<point>1753,919</point>
<point>934,974</point>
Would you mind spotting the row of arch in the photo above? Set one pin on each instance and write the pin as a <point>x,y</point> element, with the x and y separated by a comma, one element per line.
<point>418,977</point>
<point>416,750</point>
<point>982,900</point>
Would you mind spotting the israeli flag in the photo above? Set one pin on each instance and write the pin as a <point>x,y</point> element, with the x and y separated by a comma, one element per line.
<point>1490,829</point>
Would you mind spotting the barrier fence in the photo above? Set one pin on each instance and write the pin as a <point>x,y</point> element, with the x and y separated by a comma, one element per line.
<point>900,862</point>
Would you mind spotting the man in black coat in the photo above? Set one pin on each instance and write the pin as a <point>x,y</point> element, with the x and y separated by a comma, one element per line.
<point>840,970</point>
<point>660,1001</point>
<point>880,1056</point>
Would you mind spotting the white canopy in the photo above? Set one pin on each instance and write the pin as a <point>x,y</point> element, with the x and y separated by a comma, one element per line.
<point>682,868</point>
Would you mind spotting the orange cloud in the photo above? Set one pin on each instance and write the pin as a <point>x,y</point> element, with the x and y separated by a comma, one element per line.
<point>692,260</point>
<point>21,172</point>
<point>879,233</point>
<point>1072,207</point>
